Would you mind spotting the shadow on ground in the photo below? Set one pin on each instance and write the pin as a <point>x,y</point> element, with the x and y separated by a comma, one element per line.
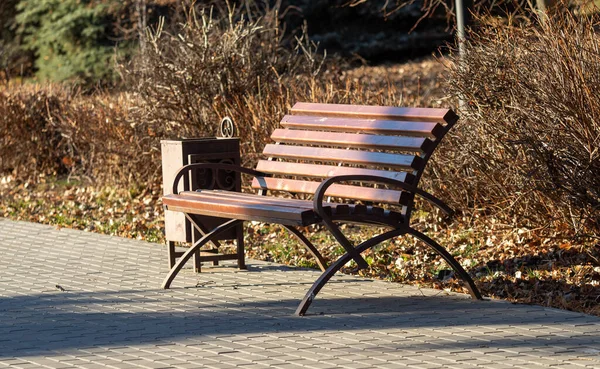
<point>35,324</point>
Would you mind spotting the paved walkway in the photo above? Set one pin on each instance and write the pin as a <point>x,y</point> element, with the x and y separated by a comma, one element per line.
<point>75,299</point>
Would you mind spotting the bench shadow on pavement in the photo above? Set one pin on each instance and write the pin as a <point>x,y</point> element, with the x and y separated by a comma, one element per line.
<point>39,323</point>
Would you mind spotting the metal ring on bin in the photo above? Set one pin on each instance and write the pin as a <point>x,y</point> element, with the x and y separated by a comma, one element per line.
<point>227,128</point>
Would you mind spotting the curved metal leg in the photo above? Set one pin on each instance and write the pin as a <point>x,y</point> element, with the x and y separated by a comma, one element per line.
<point>192,218</point>
<point>186,256</point>
<point>450,260</point>
<point>346,244</point>
<point>311,248</point>
<point>338,264</point>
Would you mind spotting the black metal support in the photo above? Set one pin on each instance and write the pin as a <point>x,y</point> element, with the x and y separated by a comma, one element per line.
<point>311,248</point>
<point>195,248</point>
<point>338,264</point>
<point>462,273</point>
<point>241,257</point>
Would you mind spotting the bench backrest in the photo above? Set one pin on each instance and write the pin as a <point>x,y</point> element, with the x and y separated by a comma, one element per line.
<point>317,141</point>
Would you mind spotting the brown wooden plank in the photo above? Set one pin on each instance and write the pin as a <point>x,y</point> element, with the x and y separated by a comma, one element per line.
<point>406,162</point>
<point>271,200</point>
<point>367,141</point>
<point>376,112</point>
<point>249,198</point>
<point>324,171</point>
<point>258,199</point>
<point>336,190</point>
<point>270,218</point>
<point>232,209</point>
<point>198,199</point>
<point>390,127</point>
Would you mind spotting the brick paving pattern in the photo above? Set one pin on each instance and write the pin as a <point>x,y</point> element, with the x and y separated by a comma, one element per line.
<point>71,299</point>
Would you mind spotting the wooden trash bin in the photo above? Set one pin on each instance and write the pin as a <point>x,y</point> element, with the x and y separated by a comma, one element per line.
<point>177,153</point>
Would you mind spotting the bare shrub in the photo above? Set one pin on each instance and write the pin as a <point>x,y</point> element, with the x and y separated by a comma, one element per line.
<point>530,141</point>
<point>52,131</point>
<point>188,78</point>
<point>238,64</point>
<point>29,143</point>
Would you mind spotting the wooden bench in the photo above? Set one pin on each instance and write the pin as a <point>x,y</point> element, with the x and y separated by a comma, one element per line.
<point>359,164</point>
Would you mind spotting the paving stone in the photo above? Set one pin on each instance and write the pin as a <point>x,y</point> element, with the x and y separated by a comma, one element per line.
<point>12,361</point>
<point>92,366</point>
<point>25,366</point>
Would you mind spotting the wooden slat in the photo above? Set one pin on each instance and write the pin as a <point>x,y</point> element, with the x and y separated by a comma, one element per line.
<point>204,203</point>
<point>250,198</point>
<point>376,112</point>
<point>324,171</point>
<point>267,218</point>
<point>377,142</point>
<point>336,190</point>
<point>390,127</point>
<point>232,209</point>
<point>406,162</point>
<point>338,209</point>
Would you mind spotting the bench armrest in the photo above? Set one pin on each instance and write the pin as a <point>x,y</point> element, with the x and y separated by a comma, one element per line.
<point>320,192</point>
<point>213,166</point>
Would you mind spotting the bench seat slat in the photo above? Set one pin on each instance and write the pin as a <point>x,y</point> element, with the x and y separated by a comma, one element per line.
<point>406,162</point>
<point>251,198</point>
<point>237,210</point>
<point>404,128</point>
<point>376,112</point>
<point>336,190</point>
<point>400,143</point>
<point>324,171</point>
<point>203,203</point>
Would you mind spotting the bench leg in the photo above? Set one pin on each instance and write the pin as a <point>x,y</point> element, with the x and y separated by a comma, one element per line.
<point>470,285</point>
<point>195,248</point>
<point>346,244</point>
<point>339,263</point>
<point>311,248</point>
<point>197,263</point>
<point>202,230</point>
<point>241,257</point>
<point>171,253</point>
<point>172,256</point>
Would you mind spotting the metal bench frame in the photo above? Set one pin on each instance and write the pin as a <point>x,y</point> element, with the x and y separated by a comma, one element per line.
<point>366,124</point>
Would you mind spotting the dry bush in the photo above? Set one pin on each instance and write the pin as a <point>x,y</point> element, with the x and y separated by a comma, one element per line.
<point>187,79</point>
<point>238,64</point>
<point>29,143</point>
<point>529,141</point>
<point>53,131</point>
